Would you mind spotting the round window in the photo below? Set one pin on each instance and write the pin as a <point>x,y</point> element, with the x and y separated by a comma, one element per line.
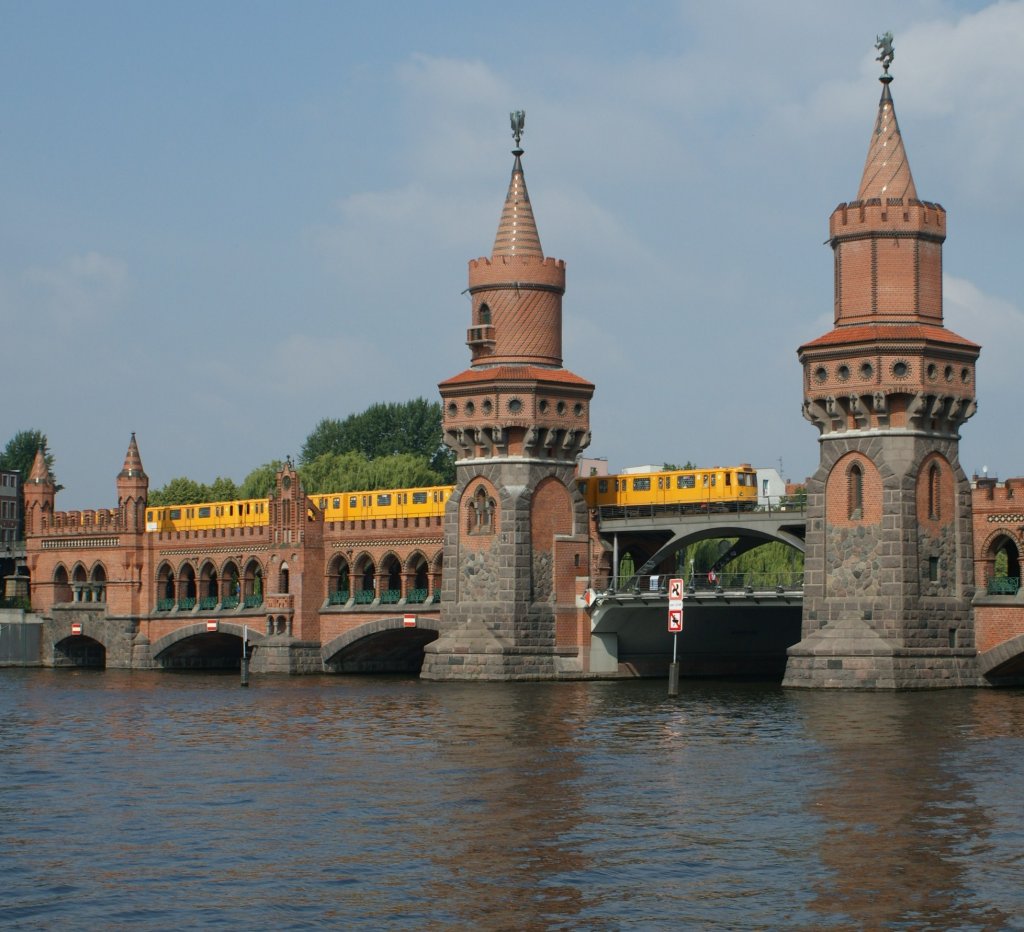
<point>900,369</point>
<point>866,370</point>
<point>470,407</point>
<point>843,372</point>
<point>821,373</point>
<point>515,406</point>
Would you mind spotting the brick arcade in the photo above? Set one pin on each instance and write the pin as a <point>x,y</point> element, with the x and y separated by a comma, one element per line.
<point>896,534</point>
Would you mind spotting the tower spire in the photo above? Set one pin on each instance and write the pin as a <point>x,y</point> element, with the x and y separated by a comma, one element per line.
<point>517,230</point>
<point>886,169</point>
<point>132,468</point>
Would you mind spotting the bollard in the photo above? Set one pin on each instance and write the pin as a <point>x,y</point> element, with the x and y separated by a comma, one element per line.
<point>673,679</point>
<point>245,671</point>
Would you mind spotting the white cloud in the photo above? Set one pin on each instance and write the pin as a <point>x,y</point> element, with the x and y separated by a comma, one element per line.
<point>85,290</point>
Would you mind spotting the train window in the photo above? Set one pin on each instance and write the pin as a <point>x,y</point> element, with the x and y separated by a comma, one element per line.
<point>602,485</point>
<point>204,512</point>
<point>336,503</point>
<point>685,482</point>
<point>642,485</point>
<point>383,499</point>
<point>661,482</point>
<point>366,501</point>
<point>175,514</point>
<point>714,476</point>
<point>352,501</point>
<point>728,478</point>
<point>149,514</point>
<point>190,512</point>
<point>419,498</point>
<point>323,503</point>
<point>704,480</point>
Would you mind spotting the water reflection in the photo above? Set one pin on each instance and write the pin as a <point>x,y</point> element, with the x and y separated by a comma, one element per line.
<point>162,801</point>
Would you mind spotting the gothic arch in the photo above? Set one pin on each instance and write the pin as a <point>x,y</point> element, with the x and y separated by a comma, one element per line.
<point>482,512</point>
<point>935,491</point>
<point>853,492</point>
<point>365,578</point>
<point>339,580</point>
<point>61,584</point>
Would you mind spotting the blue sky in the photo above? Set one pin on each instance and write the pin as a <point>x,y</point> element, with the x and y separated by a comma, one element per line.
<point>225,221</point>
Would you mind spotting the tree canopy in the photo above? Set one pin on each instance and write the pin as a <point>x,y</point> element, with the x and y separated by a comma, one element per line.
<point>385,430</point>
<point>185,491</point>
<point>20,453</point>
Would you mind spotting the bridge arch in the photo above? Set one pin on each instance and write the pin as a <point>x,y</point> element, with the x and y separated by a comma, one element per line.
<point>79,651</point>
<point>1004,661</point>
<point>384,645</point>
<point>217,644</point>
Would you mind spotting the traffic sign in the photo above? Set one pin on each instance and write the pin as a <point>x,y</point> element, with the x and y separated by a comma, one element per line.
<point>675,590</point>
<point>76,627</point>
<point>675,620</point>
<point>212,626</point>
<point>409,621</point>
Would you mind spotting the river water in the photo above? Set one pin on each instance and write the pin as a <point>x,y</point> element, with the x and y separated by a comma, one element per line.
<point>173,801</point>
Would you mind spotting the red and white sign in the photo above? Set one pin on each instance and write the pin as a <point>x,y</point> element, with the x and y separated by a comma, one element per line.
<point>675,590</point>
<point>212,625</point>
<point>409,621</point>
<point>76,627</point>
<point>675,620</point>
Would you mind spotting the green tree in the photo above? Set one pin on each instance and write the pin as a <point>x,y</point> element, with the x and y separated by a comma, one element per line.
<point>223,489</point>
<point>180,491</point>
<point>20,453</point>
<point>347,472</point>
<point>260,481</point>
<point>385,429</point>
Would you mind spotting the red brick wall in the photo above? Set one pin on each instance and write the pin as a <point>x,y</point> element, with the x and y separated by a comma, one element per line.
<point>837,492</point>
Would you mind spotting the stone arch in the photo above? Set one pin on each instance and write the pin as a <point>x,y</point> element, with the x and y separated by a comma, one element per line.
<point>198,629</point>
<point>1004,661</point>
<point>339,580</point>
<point>79,651</point>
<point>436,569</point>
<point>364,578</point>
<point>283,577</point>
<point>61,584</point>
<point>278,624</point>
<point>379,646</point>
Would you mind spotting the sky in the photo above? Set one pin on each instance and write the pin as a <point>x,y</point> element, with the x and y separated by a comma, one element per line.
<point>224,222</point>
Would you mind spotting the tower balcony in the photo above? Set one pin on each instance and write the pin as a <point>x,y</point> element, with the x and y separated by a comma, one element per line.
<point>481,337</point>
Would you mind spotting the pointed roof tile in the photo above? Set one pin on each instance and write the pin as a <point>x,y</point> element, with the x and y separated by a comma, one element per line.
<point>886,171</point>
<point>132,468</point>
<point>517,230</point>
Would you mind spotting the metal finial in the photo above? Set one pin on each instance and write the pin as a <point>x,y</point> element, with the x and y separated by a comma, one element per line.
<point>518,118</point>
<point>885,48</point>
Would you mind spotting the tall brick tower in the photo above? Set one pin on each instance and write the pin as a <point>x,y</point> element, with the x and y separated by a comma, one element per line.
<point>132,490</point>
<point>40,495</point>
<point>515,527</point>
<point>888,574</point>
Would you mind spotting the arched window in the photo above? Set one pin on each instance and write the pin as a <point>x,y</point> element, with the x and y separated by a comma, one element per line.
<point>485,314</point>
<point>481,513</point>
<point>856,499</point>
<point>934,475</point>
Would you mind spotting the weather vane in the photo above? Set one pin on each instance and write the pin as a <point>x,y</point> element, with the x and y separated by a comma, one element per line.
<point>518,118</point>
<point>884,46</point>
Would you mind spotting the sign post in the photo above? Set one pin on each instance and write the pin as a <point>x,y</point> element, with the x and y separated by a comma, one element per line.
<point>245,656</point>
<point>675,625</point>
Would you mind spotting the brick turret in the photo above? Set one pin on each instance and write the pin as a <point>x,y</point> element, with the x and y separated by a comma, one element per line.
<point>132,490</point>
<point>40,495</point>
<point>888,568</point>
<point>515,526</point>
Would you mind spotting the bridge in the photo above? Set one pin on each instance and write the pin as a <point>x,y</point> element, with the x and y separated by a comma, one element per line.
<point>737,624</point>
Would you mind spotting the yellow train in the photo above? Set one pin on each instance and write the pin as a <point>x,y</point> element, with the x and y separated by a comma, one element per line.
<point>720,488</point>
<point>380,504</point>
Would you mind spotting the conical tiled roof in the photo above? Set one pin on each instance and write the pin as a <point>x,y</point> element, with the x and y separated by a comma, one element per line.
<point>39,473</point>
<point>886,171</point>
<point>517,230</point>
<point>132,462</point>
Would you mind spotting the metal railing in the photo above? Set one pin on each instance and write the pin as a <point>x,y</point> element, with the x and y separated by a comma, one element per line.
<point>784,580</point>
<point>1003,585</point>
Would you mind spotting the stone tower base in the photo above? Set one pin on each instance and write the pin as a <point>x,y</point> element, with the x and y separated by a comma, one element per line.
<point>849,654</point>
<point>474,652</point>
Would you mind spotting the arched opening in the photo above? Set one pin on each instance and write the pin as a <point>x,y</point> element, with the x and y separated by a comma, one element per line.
<point>79,651</point>
<point>165,588</point>
<point>214,650</point>
<point>187,588</point>
<point>339,584</point>
<point>252,585</point>
<point>61,585</point>
<point>209,590</point>
<point>481,514</point>
<point>98,584</point>
<point>419,579</point>
<point>390,580</point>
<point>1005,556</point>
<point>485,314</point>
<point>231,594</point>
<point>934,489</point>
<point>80,584</point>
<point>855,502</point>
<point>282,579</point>
<point>366,579</point>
